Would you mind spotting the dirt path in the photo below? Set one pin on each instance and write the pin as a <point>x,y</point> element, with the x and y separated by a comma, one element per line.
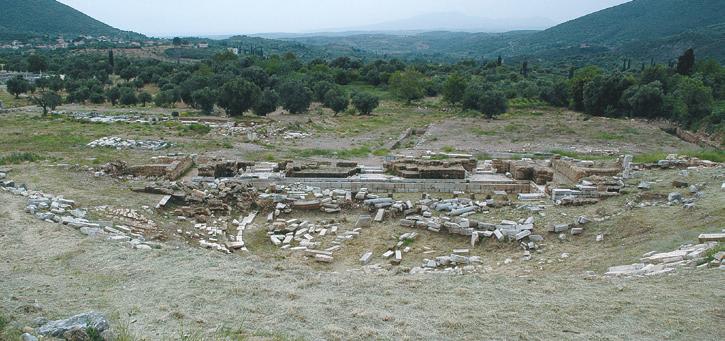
<point>162,292</point>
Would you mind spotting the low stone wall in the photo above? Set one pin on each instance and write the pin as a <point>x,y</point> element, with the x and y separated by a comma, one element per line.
<point>404,186</point>
<point>575,173</point>
<point>695,138</point>
<point>169,168</point>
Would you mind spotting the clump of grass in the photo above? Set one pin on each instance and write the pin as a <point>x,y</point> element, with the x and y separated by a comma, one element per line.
<point>703,154</point>
<point>194,129</point>
<point>483,156</point>
<point>381,152</point>
<point>481,132</point>
<point>93,334</point>
<point>16,158</point>
<point>448,149</point>
<point>575,155</point>
<point>513,128</point>
<point>608,136</point>
<point>338,153</point>
<point>710,254</point>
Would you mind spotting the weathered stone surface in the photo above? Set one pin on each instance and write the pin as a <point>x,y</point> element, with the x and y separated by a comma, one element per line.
<point>366,257</point>
<point>28,337</point>
<point>710,237</point>
<point>83,321</point>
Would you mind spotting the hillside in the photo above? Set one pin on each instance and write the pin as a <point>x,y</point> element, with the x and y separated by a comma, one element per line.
<point>29,18</point>
<point>644,29</point>
<point>665,27</point>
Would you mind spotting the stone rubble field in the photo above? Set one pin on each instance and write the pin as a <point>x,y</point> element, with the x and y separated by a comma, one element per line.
<point>198,244</point>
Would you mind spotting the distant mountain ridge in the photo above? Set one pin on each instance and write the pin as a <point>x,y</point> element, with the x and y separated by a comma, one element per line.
<point>659,29</point>
<point>29,18</point>
<point>456,22</point>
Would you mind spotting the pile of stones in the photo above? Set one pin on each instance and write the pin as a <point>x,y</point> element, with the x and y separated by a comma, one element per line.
<point>302,236</point>
<point>455,261</point>
<point>121,143</point>
<point>56,209</point>
<point>654,263</point>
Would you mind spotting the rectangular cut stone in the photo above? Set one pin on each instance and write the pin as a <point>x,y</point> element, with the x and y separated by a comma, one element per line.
<point>323,258</point>
<point>523,234</point>
<point>380,215</point>
<point>366,257</point>
<point>711,237</point>
<point>388,254</point>
<point>498,234</point>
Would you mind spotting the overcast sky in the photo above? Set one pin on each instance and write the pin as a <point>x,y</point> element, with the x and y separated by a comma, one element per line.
<point>208,17</point>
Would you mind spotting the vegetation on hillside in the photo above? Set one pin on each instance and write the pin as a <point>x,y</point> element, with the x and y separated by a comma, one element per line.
<point>29,18</point>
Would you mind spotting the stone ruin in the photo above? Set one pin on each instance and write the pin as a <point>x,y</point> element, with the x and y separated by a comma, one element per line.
<point>575,170</point>
<point>525,169</point>
<point>431,169</point>
<point>168,167</point>
<point>342,169</point>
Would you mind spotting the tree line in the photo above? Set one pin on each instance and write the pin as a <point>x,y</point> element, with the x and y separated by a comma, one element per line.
<point>684,92</point>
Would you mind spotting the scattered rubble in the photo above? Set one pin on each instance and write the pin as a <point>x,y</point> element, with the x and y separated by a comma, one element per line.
<point>75,325</point>
<point>121,143</point>
<point>653,263</point>
<point>57,209</point>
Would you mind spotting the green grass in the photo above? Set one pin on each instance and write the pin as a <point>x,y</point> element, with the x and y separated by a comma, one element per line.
<point>710,254</point>
<point>575,155</point>
<point>448,149</point>
<point>381,152</point>
<point>608,136</point>
<point>194,129</point>
<point>480,132</point>
<point>703,154</point>
<point>333,153</point>
<point>16,158</point>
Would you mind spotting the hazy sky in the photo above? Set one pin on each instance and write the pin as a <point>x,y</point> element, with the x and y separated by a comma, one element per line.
<point>206,17</point>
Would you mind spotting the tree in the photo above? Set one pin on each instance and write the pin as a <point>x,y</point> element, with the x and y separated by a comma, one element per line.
<point>267,103</point>
<point>205,99</point>
<point>37,63</point>
<point>113,94</point>
<point>237,96</point>
<point>144,97</point>
<point>697,97</point>
<point>580,78</point>
<point>408,85</point>
<point>454,88</point>
<point>645,100</point>
<point>128,72</point>
<point>17,86</point>
<point>336,99</point>
<point>111,62</point>
<point>483,98</point>
<point>256,75</point>
<point>295,96</point>
<point>686,63</point>
<point>166,98</point>
<point>525,69</point>
<point>365,103</point>
<point>556,94</point>
<point>603,93</point>
<point>176,41</point>
<point>47,100</point>
<point>128,96</point>
<point>320,89</point>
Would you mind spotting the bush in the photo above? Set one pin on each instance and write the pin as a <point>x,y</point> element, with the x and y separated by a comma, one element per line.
<point>365,103</point>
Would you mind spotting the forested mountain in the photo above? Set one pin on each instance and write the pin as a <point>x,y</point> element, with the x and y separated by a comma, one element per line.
<point>29,18</point>
<point>643,29</point>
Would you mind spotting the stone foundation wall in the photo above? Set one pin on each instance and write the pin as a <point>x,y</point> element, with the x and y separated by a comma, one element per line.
<point>406,186</point>
<point>575,173</point>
